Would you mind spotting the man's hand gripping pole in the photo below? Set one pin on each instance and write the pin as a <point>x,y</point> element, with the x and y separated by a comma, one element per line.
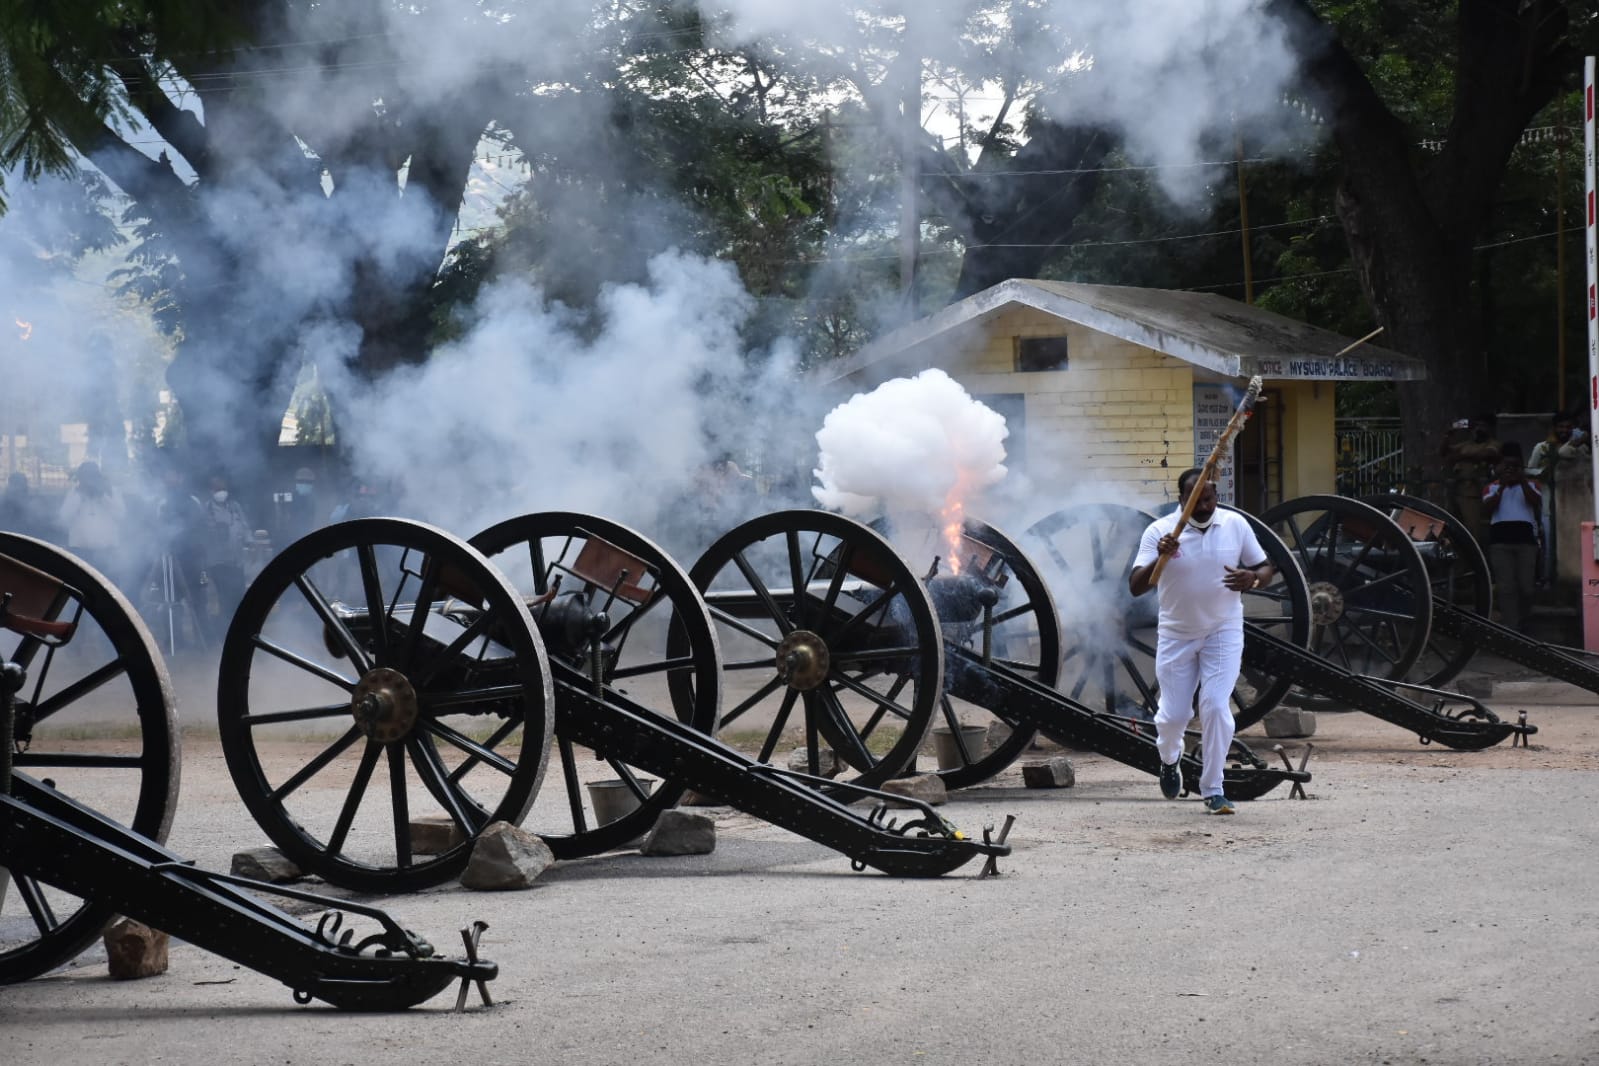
<point>1246,407</point>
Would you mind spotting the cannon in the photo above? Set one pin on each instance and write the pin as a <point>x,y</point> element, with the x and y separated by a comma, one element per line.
<point>813,580</point>
<point>73,648</point>
<point>1352,594</point>
<point>384,644</point>
<point>1462,597</point>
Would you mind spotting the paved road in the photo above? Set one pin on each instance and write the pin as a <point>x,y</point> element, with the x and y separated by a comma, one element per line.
<point>1424,906</point>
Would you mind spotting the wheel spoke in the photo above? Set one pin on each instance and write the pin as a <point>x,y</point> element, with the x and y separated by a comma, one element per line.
<point>295,659</point>
<point>784,626</point>
<point>739,625</point>
<point>78,760</point>
<point>443,786</point>
<point>426,592</point>
<point>835,712</point>
<point>625,774</point>
<point>44,918</point>
<point>846,555</point>
<point>307,714</point>
<point>78,689</point>
<point>352,799</point>
<point>1015,612</point>
<point>331,622</point>
<point>796,571</point>
<point>312,768</point>
<point>879,604</point>
<point>479,754</point>
<point>686,662</point>
<point>874,655</point>
<point>376,610</point>
<point>574,790</point>
<point>757,696</point>
<point>401,806</point>
<point>880,698</point>
<point>450,654</point>
<point>778,725</point>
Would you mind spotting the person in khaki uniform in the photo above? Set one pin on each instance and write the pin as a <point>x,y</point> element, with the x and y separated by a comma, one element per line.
<point>1471,452</point>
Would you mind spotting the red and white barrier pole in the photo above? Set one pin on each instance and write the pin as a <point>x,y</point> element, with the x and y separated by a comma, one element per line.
<point>1590,542</point>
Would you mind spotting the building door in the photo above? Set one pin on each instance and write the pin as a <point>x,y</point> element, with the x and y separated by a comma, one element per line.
<point>1258,455</point>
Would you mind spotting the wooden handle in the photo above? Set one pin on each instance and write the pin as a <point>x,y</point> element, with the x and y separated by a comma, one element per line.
<point>1234,424</point>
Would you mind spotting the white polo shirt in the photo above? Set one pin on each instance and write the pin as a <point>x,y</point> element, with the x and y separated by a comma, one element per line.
<point>1193,600</point>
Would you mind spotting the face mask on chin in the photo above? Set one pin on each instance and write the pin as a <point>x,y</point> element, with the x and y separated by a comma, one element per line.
<point>220,495</point>
<point>1205,524</point>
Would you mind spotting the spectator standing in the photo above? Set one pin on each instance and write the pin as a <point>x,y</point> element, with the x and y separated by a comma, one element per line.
<point>226,533</point>
<point>1563,444</point>
<point>1514,505</point>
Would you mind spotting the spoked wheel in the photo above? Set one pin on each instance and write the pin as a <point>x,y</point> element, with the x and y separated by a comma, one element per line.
<point>376,672</point>
<point>599,586</point>
<point>1370,607</point>
<point>1022,634</point>
<point>1457,570</point>
<point>817,612</point>
<point>95,720</point>
<point>1109,636</point>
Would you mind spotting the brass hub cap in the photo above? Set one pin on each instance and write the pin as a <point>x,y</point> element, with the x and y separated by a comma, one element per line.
<point>1326,603</point>
<point>802,660</point>
<point>384,705</point>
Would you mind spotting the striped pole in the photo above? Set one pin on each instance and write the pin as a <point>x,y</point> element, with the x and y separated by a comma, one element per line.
<point>1593,270</point>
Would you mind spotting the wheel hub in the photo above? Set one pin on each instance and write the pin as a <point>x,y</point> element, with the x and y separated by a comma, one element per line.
<point>802,660</point>
<point>384,705</point>
<point>1326,603</point>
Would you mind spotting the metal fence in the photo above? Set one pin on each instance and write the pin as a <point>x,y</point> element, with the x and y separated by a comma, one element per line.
<point>1371,455</point>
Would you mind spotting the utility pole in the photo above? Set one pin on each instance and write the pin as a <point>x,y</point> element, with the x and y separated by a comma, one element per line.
<point>1243,223</point>
<point>910,85</point>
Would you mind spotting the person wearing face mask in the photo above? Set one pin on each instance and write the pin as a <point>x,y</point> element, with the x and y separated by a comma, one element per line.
<point>227,532</point>
<point>1200,640</point>
<point>302,512</point>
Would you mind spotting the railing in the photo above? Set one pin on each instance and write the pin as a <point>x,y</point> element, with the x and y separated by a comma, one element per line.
<point>1371,455</point>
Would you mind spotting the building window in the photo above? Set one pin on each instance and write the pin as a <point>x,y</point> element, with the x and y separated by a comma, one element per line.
<point>1040,353</point>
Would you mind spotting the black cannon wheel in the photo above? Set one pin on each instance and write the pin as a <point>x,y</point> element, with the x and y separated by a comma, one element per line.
<point>1457,570</point>
<point>1024,638</point>
<point>384,660</point>
<point>95,719</point>
<point>1109,636</point>
<point>549,551</point>
<point>1369,602</point>
<point>817,611</point>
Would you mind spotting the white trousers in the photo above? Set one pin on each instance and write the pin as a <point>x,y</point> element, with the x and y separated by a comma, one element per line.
<point>1210,664</point>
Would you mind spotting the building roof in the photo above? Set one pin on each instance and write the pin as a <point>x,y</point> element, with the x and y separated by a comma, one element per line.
<point>1231,339</point>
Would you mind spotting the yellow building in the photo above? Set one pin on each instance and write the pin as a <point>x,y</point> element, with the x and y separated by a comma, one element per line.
<point>1120,389</point>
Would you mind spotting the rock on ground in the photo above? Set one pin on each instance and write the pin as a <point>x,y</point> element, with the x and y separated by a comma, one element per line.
<point>505,857</point>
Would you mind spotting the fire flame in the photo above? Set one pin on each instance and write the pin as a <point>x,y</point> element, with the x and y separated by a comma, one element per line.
<point>26,327</point>
<point>953,522</point>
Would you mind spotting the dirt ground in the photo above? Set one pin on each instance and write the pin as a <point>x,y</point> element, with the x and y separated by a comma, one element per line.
<point>1423,906</point>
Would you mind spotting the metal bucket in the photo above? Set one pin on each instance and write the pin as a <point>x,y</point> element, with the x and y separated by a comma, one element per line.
<point>949,757</point>
<point>613,799</point>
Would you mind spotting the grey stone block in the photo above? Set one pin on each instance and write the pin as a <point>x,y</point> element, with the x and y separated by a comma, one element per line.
<point>929,788</point>
<point>1290,722</point>
<point>681,833</point>
<point>1057,772</point>
<point>505,857</point>
<point>434,834</point>
<point>134,950</point>
<point>265,864</point>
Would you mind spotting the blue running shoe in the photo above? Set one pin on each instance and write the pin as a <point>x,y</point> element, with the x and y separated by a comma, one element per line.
<point>1171,780</point>
<point>1218,805</point>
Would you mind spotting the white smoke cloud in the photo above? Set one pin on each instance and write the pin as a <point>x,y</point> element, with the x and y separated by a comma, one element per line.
<point>910,445</point>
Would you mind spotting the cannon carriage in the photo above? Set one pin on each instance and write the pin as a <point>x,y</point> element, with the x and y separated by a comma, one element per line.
<point>414,655</point>
<point>71,646</point>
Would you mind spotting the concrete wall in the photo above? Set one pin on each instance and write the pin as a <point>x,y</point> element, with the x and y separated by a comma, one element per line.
<point>1310,457</point>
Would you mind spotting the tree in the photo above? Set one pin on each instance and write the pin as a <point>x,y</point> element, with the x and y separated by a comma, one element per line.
<point>1412,217</point>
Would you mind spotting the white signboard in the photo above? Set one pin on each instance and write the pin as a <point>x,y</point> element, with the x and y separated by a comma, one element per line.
<point>1213,409</point>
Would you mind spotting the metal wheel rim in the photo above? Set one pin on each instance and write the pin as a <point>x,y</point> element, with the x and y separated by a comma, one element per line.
<point>286,610</point>
<point>1026,639</point>
<point>1350,548</point>
<point>1459,575</point>
<point>796,542</point>
<point>59,934</point>
<point>690,637</point>
<point>1124,676</point>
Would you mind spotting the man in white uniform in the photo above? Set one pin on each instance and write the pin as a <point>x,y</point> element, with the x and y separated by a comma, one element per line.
<point>1210,564</point>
